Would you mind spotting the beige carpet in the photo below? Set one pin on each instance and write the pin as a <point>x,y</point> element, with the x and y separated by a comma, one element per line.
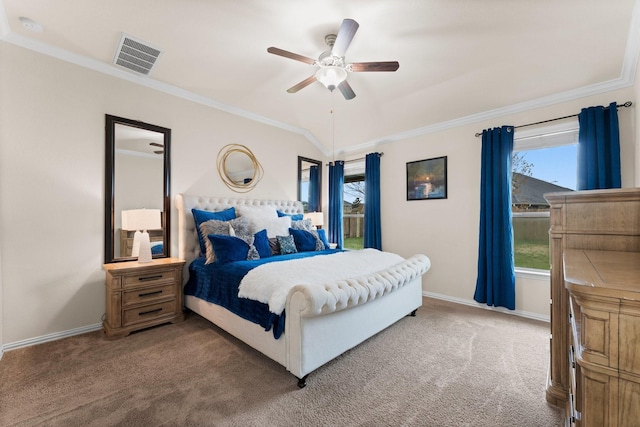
<point>451,365</point>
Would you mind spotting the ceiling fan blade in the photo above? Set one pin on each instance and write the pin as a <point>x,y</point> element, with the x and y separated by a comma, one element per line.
<point>374,66</point>
<point>155,144</point>
<point>346,90</point>
<point>291,55</point>
<point>306,82</point>
<point>345,35</point>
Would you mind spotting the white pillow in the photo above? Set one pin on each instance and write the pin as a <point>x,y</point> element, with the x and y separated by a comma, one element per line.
<point>258,216</point>
<point>278,226</point>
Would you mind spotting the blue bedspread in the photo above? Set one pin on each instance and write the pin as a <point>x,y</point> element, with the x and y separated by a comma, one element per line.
<point>218,284</point>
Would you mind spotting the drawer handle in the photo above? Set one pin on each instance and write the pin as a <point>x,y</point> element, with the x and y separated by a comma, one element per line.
<point>149,293</point>
<point>149,312</point>
<point>144,279</point>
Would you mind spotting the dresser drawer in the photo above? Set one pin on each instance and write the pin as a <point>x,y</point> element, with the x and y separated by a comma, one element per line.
<point>596,342</point>
<point>148,312</point>
<point>149,278</point>
<point>145,295</point>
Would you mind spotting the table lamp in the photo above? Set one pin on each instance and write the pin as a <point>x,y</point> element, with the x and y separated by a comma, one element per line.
<point>141,220</point>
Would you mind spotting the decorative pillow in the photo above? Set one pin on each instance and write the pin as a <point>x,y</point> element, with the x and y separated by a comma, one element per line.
<point>304,224</point>
<point>261,217</point>
<point>214,226</point>
<point>304,240</point>
<point>294,217</point>
<point>274,246</point>
<point>259,210</point>
<point>237,226</point>
<point>228,248</point>
<point>261,242</point>
<point>287,245</point>
<point>256,212</point>
<point>322,234</point>
<point>252,253</point>
<point>240,226</point>
<point>274,226</point>
<point>202,216</point>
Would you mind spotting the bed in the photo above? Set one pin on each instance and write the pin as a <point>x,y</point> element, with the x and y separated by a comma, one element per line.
<point>320,321</point>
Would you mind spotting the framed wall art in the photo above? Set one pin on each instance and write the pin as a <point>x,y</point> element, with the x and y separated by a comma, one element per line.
<point>427,179</point>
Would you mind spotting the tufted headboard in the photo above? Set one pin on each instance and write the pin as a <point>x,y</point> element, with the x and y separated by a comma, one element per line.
<point>188,247</point>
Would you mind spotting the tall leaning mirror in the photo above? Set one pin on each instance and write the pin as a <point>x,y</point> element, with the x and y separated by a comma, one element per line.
<point>310,184</point>
<point>137,186</point>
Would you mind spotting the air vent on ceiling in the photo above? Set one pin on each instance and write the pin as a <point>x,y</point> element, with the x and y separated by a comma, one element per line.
<point>136,55</point>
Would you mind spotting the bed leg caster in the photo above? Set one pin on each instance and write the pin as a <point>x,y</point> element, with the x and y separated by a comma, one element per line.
<point>413,313</point>
<point>302,382</point>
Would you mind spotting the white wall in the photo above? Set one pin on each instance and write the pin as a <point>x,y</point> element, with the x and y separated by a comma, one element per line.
<point>447,230</point>
<point>52,186</point>
<point>52,166</point>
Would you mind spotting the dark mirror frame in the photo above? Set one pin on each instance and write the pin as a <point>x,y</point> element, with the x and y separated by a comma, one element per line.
<point>316,162</point>
<point>109,231</point>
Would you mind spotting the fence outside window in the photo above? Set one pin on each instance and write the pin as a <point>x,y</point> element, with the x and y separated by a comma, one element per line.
<point>531,240</point>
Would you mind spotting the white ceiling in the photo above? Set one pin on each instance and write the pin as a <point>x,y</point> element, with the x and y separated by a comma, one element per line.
<point>461,61</point>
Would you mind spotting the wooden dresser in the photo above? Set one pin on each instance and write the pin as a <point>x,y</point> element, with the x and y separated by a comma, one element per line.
<point>140,295</point>
<point>599,220</point>
<point>604,355</point>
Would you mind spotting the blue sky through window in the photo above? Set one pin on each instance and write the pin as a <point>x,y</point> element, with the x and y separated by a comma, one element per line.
<point>557,165</point>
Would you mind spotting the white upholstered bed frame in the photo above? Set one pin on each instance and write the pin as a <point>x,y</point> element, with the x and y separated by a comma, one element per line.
<point>321,322</point>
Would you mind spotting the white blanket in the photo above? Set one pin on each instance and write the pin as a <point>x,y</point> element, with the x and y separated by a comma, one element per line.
<point>270,283</point>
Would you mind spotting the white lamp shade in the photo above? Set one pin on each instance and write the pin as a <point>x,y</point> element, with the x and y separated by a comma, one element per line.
<point>141,219</point>
<point>317,218</point>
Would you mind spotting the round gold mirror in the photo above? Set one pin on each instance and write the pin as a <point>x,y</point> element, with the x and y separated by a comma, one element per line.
<point>239,168</point>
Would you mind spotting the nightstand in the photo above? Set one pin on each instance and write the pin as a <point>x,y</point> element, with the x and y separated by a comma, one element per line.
<point>140,295</point>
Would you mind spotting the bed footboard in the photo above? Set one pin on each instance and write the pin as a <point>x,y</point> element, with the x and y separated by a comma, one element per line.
<point>324,321</point>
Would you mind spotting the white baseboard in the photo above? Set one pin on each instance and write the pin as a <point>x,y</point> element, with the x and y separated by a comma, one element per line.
<point>472,303</point>
<point>98,326</point>
<point>49,337</point>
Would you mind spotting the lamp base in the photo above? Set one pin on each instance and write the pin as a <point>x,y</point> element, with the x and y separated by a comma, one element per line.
<point>144,254</point>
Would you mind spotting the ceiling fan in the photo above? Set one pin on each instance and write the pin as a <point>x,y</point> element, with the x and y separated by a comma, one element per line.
<point>333,68</point>
<point>155,144</point>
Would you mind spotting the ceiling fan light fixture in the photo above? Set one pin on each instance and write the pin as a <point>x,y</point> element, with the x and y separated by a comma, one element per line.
<point>331,76</point>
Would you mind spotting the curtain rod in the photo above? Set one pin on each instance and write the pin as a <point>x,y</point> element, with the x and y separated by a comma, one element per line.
<point>626,104</point>
<point>355,160</point>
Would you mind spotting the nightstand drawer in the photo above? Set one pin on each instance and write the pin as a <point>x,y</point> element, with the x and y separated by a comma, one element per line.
<point>145,295</point>
<point>149,278</point>
<point>148,312</point>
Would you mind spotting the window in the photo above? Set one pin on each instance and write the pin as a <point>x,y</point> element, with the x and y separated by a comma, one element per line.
<point>544,161</point>
<point>353,207</point>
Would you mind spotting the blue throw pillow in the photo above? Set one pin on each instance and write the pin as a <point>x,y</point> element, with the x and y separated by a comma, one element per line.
<point>294,217</point>
<point>287,245</point>
<point>203,216</point>
<point>322,234</point>
<point>228,248</point>
<point>261,242</point>
<point>305,241</point>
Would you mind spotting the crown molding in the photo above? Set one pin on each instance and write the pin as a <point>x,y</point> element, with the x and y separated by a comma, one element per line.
<point>546,101</point>
<point>626,79</point>
<point>148,82</point>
